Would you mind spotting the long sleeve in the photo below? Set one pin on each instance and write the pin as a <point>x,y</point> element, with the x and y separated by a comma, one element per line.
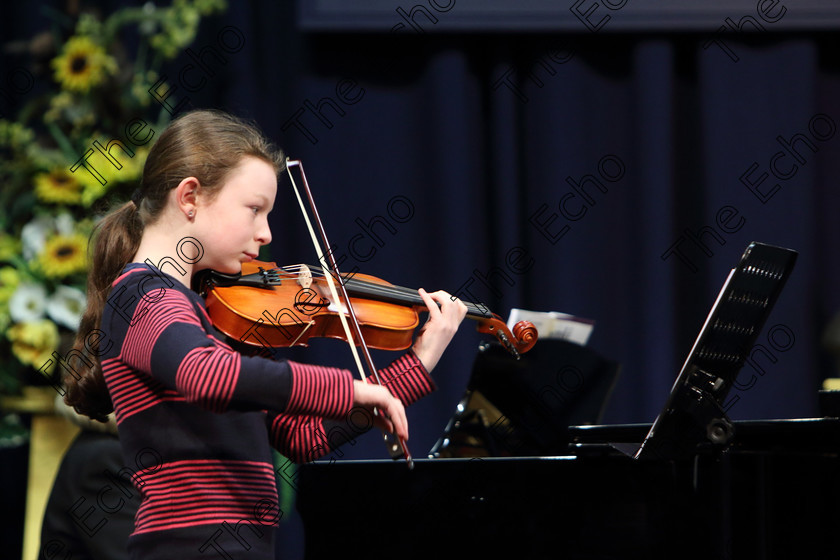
<point>192,414</point>
<point>166,338</point>
<point>304,438</point>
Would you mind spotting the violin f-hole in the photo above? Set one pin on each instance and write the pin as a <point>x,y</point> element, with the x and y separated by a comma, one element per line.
<point>306,304</point>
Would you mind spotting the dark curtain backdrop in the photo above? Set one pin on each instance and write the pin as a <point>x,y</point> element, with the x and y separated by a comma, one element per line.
<point>474,141</point>
<point>485,135</point>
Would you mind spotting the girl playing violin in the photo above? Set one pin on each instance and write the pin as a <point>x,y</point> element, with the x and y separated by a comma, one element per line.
<point>195,416</point>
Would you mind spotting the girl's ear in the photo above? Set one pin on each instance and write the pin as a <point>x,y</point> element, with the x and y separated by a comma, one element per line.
<point>186,195</point>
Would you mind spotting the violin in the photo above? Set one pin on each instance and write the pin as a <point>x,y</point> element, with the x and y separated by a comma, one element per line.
<point>304,309</point>
<point>270,306</point>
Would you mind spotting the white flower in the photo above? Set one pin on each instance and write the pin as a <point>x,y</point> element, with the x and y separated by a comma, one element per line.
<point>66,306</point>
<point>34,235</point>
<point>64,224</point>
<point>28,302</point>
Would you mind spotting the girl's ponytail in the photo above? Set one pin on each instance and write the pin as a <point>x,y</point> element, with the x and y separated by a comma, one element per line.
<point>204,144</point>
<point>113,244</point>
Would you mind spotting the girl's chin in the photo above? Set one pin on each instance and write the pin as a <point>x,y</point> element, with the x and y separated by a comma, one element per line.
<point>230,267</point>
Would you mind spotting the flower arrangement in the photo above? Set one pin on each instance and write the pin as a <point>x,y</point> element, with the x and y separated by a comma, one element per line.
<point>86,78</point>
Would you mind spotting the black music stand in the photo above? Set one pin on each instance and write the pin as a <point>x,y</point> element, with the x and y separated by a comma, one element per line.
<point>693,415</point>
<point>524,407</point>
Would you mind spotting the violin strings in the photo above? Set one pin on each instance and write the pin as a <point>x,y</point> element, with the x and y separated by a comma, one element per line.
<point>374,289</point>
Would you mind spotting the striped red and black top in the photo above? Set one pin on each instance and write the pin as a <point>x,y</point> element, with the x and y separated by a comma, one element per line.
<point>197,420</point>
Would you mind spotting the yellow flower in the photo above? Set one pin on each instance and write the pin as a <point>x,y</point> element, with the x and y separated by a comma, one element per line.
<point>64,255</point>
<point>58,186</point>
<point>9,280</point>
<point>9,247</point>
<point>82,65</point>
<point>132,169</point>
<point>33,342</point>
<point>93,190</point>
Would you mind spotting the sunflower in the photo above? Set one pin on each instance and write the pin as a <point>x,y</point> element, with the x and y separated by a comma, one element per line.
<point>82,65</point>
<point>64,255</point>
<point>33,342</point>
<point>58,186</point>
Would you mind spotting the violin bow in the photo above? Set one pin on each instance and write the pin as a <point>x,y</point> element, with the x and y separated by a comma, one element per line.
<point>396,445</point>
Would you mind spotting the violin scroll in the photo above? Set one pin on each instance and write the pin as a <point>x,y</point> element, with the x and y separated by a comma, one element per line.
<point>522,339</point>
<point>526,335</point>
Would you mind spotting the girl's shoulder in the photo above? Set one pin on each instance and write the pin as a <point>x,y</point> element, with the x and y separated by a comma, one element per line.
<point>147,279</point>
<point>141,284</point>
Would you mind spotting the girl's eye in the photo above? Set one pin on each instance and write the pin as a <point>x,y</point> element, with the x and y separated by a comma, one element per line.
<point>256,209</point>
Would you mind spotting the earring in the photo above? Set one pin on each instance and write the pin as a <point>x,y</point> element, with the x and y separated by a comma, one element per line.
<point>190,214</point>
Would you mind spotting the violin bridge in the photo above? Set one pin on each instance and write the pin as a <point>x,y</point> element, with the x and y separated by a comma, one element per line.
<point>304,276</point>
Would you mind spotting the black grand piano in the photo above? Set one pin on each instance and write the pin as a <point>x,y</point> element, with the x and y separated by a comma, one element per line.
<point>512,477</point>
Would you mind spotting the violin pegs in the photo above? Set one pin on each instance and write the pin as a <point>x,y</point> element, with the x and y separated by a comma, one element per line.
<point>509,346</point>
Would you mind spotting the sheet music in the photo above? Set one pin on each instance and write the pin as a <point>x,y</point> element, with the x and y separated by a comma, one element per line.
<point>556,325</point>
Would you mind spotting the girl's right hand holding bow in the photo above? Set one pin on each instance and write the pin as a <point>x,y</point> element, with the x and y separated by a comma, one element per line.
<point>392,412</point>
